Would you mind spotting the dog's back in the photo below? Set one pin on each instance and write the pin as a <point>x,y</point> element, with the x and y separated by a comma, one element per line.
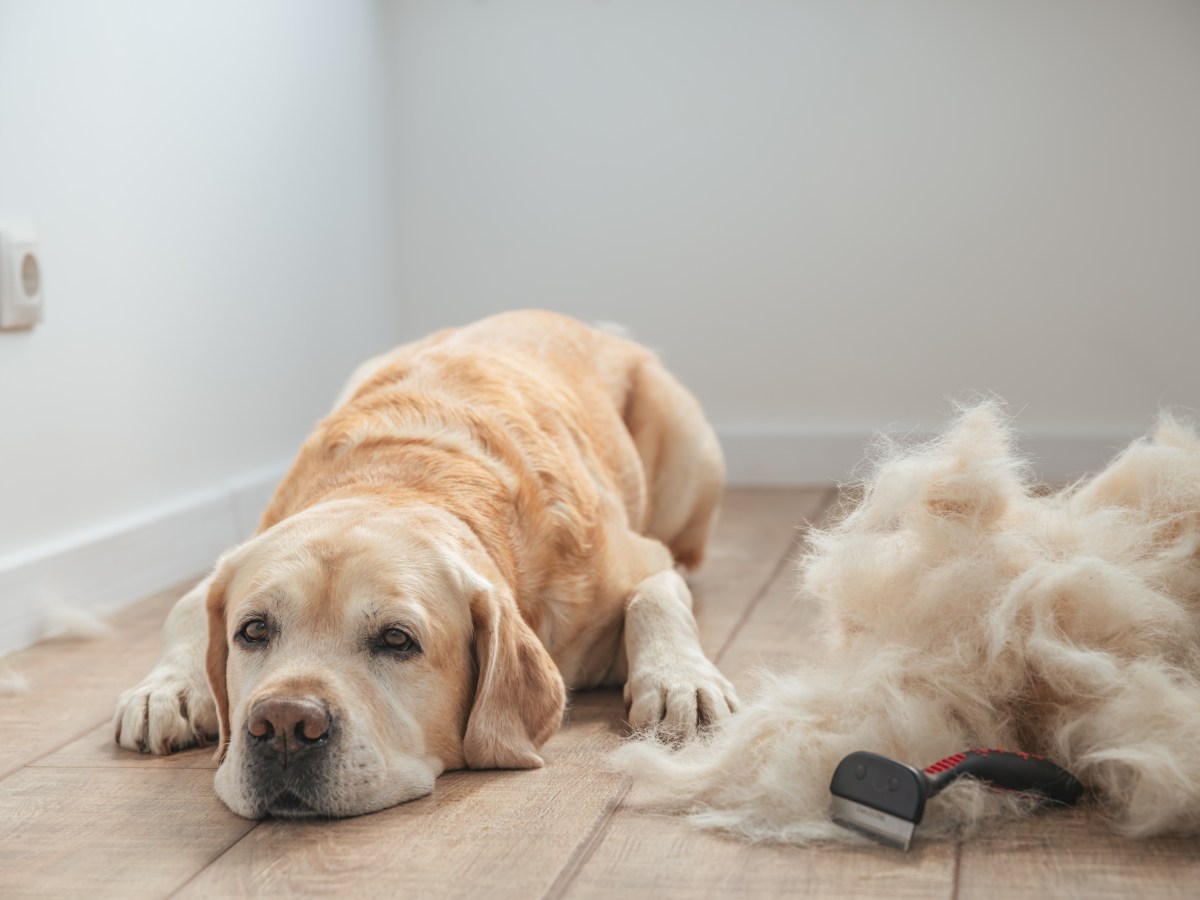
<point>555,418</point>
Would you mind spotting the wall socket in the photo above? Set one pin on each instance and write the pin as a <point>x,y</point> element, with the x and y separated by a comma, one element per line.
<point>21,289</point>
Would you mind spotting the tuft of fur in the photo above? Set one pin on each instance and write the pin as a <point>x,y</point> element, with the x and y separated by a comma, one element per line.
<point>962,608</point>
<point>13,682</point>
<point>63,622</point>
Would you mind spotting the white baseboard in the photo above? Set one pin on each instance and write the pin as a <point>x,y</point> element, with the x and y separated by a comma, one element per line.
<point>105,568</point>
<point>779,456</point>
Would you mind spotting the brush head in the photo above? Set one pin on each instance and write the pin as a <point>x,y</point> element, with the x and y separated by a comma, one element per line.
<point>875,824</point>
<point>878,796</point>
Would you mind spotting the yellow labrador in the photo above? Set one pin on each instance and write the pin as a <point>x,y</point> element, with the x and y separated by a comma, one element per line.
<point>488,516</point>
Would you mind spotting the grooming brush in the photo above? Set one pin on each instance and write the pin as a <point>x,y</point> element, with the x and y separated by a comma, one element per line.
<point>885,799</point>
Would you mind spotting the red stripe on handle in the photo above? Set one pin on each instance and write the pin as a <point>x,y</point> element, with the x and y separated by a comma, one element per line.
<point>943,764</point>
<point>982,751</point>
<point>950,762</point>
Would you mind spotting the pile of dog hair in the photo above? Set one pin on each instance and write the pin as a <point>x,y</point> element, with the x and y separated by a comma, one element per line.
<point>964,609</point>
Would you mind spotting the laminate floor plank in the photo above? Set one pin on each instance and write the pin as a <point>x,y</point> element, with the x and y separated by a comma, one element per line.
<point>480,834</point>
<point>1073,855</point>
<point>81,817</point>
<point>641,853</point>
<point>74,683</point>
<point>500,833</point>
<point>122,833</point>
<point>756,531</point>
<point>511,834</point>
<point>96,749</point>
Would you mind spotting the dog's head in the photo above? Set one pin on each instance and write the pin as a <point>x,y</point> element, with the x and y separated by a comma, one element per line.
<point>355,653</point>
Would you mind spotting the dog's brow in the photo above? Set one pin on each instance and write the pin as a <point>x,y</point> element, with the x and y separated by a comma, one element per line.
<point>408,614</point>
<point>262,599</point>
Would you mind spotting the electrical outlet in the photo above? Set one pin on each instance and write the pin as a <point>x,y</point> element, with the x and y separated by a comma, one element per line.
<point>21,289</point>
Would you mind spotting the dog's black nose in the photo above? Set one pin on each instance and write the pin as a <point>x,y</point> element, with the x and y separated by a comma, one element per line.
<point>287,726</point>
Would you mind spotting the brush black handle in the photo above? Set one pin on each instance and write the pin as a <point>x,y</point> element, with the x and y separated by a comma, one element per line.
<point>1008,770</point>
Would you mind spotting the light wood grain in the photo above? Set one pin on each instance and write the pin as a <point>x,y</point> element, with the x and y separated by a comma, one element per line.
<point>81,818</point>
<point>124,833</point>
<point>641,851</point>
<point>643,855</point>
<point>778,633</point>
<point>74,684</point>
<point>1072,854</point>
<point>494,833</point>
<point>481,834</point>
<point>96,749</point>
<point>756,533</point>
<point>508,834</point>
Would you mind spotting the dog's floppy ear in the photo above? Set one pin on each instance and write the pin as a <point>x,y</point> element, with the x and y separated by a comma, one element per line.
<point>519,697</point>
<point>217,657</point>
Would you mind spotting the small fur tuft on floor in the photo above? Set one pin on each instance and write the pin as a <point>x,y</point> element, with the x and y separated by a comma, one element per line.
<point>12,682</point>
<point>962,608</point>
<point>63,622</point>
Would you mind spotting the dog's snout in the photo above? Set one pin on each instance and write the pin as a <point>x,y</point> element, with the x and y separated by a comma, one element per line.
<point>287,725</point>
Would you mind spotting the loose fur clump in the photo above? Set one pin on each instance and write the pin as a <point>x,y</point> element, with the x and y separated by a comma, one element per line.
<point>13,682</point>
<point>64,622</point>
<point>963,608</point>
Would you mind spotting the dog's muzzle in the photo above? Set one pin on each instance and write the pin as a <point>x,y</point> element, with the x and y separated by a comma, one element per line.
<point>289,740</point>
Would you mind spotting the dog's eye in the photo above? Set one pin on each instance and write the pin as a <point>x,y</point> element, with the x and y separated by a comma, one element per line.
<point>254,632</point>
<point>398,640</point>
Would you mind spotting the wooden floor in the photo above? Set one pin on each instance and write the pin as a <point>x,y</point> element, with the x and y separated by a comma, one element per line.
<point>79,817</point>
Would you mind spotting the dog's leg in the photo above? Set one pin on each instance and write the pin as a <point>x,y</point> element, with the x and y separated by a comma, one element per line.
<point>685,471</point>
<point>173,707</point>
<point>672,687</point>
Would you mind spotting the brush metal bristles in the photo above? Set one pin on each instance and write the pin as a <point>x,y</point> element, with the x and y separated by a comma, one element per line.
<point>883,827</point>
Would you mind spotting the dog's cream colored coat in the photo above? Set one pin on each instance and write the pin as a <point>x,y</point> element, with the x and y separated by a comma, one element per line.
<point>514,496</point>
<point>964,609</point>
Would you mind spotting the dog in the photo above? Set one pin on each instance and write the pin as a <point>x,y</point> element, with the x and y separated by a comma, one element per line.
<point>488,518</point>
<point>963,606</point>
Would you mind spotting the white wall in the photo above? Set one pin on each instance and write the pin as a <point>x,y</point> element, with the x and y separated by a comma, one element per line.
<point>829,215</point>
<point>210,183</point>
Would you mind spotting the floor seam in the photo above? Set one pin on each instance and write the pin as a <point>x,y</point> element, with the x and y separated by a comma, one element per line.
<point>587,847</point>
<point>958,848</point>
<point>753,604</point>
<point>33,762</point>
<point>39,765</point>
<point>212,861</point>
<point>583,852</point>
<point>822,510</point>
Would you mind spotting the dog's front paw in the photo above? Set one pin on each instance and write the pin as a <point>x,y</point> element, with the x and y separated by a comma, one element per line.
<point>676,700</point>
<point>170,710</point>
